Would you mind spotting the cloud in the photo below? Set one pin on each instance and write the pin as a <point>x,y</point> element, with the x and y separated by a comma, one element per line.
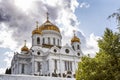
<point>8,58</point>
<point>6,61</point>
<point>22,23</point>
<point>5,38</point>
<point>91,46</point>
<point>84,5</point>
<point>2,70</point>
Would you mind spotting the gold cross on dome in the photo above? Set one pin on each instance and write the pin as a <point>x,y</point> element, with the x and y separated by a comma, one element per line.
<point>37,24</point>
<point>47,15</point>
<point>25,42</point>
<point>74,32</point>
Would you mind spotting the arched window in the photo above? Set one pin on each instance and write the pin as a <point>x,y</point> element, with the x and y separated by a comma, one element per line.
<point>73,47</point>
<point>48,40</point>
<point>43,40</point>
<point>22,68</point>
<point>58,42</point>
<point>78,47</point>
<point>39,66</point>
<point>38,40</point>
<point>53,41</point>
<point>55,64</point>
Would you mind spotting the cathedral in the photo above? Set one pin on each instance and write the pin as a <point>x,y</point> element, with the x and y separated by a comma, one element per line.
<point>47,56</point>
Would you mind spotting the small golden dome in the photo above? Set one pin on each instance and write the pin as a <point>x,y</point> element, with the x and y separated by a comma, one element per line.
<point>24,48</point>
<point>75,38</point>
<point>36,31</point>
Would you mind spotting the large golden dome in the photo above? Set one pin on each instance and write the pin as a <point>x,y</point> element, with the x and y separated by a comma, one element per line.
<point>24,48</point>
<point>75,39</point>
<point>49,26</point>
<point>45,26</point>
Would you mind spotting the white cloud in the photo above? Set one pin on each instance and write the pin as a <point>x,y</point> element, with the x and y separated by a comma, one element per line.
<point>6,61</point>
<point>2,70</point>
<point>22,23</point>
<point>91,45</point>
<point>67,19</point>
<point>84,5</point>
<point>6,38</point>
<point>8,58</point>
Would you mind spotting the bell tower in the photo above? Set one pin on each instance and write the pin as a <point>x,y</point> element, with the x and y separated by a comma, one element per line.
<point>36,36</point>
<point>76,44</point>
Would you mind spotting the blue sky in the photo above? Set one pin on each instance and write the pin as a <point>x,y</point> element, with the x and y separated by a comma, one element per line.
<point>94,19</point>
<point>87,17</point>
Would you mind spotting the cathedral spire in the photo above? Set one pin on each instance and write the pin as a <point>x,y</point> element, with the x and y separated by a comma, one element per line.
<point>24,48</point>
<point>24,42</point>
<point>75,38</point>
<point>74,32</point>
<point>36,31</point>
<point>47,16</point>
<point>37,24</point>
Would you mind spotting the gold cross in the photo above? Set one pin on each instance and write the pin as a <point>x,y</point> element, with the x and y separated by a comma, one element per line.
<point>47,15</point>
<point>37,24</point>
<point>25,42</point>
<point>74,32</point>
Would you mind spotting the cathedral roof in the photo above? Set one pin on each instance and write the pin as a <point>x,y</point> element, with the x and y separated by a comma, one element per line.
<point>24,48</point>
<point>75,38</point>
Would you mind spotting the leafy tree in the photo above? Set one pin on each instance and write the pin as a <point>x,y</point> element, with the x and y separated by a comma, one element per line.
<point>106,64</point>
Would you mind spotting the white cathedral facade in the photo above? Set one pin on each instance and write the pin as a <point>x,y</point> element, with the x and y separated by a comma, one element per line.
<point>47,56</point>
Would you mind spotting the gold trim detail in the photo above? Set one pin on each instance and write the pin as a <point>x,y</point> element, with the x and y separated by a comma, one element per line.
<point>49,46</point>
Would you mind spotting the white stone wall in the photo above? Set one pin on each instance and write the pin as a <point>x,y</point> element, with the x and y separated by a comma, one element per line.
<point>46,54</point>
<point>31,77</point>
<point>51,35</point>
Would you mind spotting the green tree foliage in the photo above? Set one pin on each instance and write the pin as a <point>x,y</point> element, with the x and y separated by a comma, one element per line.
<point>106,64</point>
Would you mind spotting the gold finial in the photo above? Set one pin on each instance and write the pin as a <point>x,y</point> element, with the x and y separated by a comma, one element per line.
<point>47,15</point>
<point>24,48</point>
<point>75,38</point>
<point>24,42</point>
<point>37,24</point>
